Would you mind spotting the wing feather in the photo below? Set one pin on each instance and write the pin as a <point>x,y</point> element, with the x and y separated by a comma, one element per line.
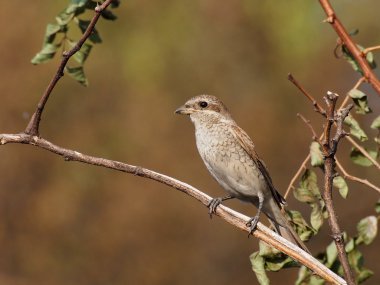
<point>249,148</point>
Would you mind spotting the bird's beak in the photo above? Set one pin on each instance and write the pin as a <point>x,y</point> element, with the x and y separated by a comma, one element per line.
<point>183,110</point>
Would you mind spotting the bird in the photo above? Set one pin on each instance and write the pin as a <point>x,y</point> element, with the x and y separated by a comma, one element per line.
<point>230,156</point>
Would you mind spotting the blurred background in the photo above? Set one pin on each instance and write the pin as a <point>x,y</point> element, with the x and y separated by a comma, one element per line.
<point>69,223</point>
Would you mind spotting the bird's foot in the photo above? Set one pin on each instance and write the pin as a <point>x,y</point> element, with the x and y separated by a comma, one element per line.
<point>214,203</point>
<point>252,223</point>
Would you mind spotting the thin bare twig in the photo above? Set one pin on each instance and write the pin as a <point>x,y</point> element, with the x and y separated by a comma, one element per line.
<point>318,108</point>
<point>348,176</point>
<point>234,218</point>
<point>351,46</point>
<point>369,49</point>
<point>308,124</point>
<point>298,173</point>
<point>34,123</point>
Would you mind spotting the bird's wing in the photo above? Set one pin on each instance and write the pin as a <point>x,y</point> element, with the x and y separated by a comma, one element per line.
<point>249,147</point>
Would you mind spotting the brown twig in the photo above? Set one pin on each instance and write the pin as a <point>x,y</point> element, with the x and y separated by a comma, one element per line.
<point>308,124</point>
<point>329,148</point>
<point>298,173</point>
<point>234,218</point>
<point>351,46</point>
<point>369,49</point>
<point>318,108</point>
<point>34,123</point>
<point>348,176</point>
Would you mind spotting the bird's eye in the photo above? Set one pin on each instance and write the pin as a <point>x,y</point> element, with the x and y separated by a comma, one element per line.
<point>203,104</point>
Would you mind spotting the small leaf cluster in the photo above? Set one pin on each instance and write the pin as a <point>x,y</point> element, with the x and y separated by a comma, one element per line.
<point>57,36</point>
<point>366,232</point>
<point>269,259</point>
<point>347,55</point>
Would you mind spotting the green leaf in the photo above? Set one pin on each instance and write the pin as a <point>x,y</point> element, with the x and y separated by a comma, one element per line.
<point>308,192</point>
<point>331,254</point>
<point>360,100</point>
<point>377,207</point>
<point>316,154</point>
<point>376,123</point>
<point>80,3</point>
<point>51,31</point>
<point>78,74</point>
<point>76,9</point>
<point>341,184</point>
<point>351,60</point>
<point>355,258</point>
<point>304,231</point>
<point>81,55</point>
<point>367,230</point>
<point>358,158</point>
<point>94,37</point>
<point>267,251</point>
<point>371,60</point>
<point>350,246</point>
<point>364,274</point>
<point>64,18</point>
<point>355,129</point>
<point>283,261</point>
<point>108,15</point>
<point>306,277</point>
<point>91,5</point>
<point>354,32</point>
<point>258,263</point>
<point>115,3</point>
<point>316,216</point>
<point>47,53</point>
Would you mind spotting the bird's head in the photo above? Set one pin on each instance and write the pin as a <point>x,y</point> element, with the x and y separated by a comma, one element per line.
<point>204,107</point>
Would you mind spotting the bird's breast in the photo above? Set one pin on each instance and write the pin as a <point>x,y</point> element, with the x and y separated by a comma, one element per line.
<point>227,161</point>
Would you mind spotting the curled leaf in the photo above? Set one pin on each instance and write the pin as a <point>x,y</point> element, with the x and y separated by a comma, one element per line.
<point>45,54</point>
<point>316,154</point>
<point>377,207</point>
<point>341,184</point>
<point>367,230</point>
<point>304,231</point>
<point>308,192</point>
<point>376,123</point>
<point>78,74</point>
<point>94,37</point>
<point>358,158</point>
<point>360,100</point>
<point>355,129</point>
<point>258,263</point>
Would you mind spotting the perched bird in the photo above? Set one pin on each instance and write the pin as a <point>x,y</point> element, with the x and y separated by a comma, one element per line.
<point>229,155</point>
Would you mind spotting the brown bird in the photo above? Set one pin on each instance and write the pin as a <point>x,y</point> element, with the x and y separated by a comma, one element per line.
<point>229,155</point>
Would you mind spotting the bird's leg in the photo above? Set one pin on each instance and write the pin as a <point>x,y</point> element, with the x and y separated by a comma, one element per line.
<point>252,223</point>
<point>215,203</point>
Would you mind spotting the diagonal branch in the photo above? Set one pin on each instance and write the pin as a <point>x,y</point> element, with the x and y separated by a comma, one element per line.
<point>351,46</point>
<point>296,175</point>
<point>234,218</point>
<point>34,123</point>
<point>348,176</point>
<point>317,107</point>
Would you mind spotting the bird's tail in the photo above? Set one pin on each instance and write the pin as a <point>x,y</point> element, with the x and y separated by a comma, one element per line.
<point>282,225</point>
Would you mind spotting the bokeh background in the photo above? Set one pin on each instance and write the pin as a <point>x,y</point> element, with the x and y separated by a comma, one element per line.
<point>68,223</point>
